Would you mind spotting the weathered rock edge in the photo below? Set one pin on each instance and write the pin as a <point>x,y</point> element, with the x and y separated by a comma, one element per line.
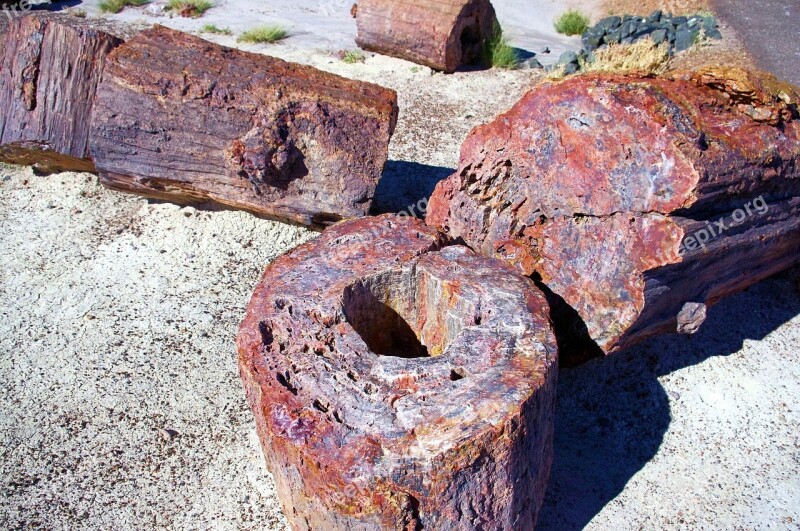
<point>599,187</point>
<point>186,120</point>
<point>441,34</point>
<point>458,439</point>
<point>50,67</point>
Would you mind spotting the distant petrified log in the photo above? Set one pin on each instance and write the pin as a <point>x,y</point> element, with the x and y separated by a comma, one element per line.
<point>50,69</point>
<point>400,384</point>
<point>186,120</point>
<point>442,34</point>
<point>637,202</point>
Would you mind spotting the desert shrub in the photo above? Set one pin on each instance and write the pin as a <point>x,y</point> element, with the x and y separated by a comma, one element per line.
<point>191,8</point>
<point>353,56</point>
<point>572,22</point>
<point>115,6</point>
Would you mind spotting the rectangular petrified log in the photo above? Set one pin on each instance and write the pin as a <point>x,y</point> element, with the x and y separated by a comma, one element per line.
<point>636,202</point>
<point>442,34</point>
<point>186,120</point>
<point>50,69</point>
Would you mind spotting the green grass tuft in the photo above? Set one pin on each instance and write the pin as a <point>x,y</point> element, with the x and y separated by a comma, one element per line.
<point>211,28</point>
<point>353,56</point>
<point>115,6</point>
<point>572,22</point>
<point>499,54</point>
<point>261,34</point>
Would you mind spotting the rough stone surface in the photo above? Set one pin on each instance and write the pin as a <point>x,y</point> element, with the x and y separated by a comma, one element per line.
<point>186,120</point>
<point>50,69</point>
<point>441,34</point>
<point>397,384</point>
<point>628,198</point>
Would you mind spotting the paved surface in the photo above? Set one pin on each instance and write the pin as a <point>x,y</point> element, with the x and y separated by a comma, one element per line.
<point>770,30</point>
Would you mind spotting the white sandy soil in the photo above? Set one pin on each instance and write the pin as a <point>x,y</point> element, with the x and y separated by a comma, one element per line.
<point>120,404</point>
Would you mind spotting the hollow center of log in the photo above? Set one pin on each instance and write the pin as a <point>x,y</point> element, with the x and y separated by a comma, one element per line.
<point>471,44</point>
<point>406,315</point>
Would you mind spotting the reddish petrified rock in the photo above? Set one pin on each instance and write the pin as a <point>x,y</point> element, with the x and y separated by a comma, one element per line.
<point>397,384</point>
<point>186,120</point>
<point>629,198</point>
<point>50,69</point>
<point>442,34</point>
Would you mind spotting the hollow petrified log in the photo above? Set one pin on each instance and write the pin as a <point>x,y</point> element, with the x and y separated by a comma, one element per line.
<point>635,201</point>
<point>397,384</point>
<point>50,69</point>
<point>186,120</point>
<point>442,34</point>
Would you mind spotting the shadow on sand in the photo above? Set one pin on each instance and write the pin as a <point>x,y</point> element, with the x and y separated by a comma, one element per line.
<point>612,413</point>
<point>404,184</point>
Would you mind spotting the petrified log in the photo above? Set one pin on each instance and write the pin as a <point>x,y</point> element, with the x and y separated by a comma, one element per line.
<point>397,384</point>
<point>635,201</point>
<point>442,34</point>
<point>50,69</point>
<point>185,120</point>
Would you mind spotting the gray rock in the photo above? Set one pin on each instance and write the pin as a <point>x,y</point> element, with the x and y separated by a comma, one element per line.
<point>613,37</point>
<point>677,21</point>
<point>629,27</point>
<point>610,23</point>
<point>655,16</point>
<point>568,57</point>
<point>713,33</point>
<point>571,68</point>
<point>659,36</point>
<point>531,64</point>
<point>684,40</point>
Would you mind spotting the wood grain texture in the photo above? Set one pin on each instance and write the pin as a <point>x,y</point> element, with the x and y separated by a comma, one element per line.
<point>398,383</point>
<point>441,34</point>
<point>601,187</point>
<point>186,120</point>
<point>51,66</point>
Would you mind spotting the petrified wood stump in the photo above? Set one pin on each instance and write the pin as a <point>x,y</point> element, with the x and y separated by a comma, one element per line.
<point>442,34</point>
<point>186,120</point>
<point>50,69</point>
<point>637,202</point>
<point>397,384</point>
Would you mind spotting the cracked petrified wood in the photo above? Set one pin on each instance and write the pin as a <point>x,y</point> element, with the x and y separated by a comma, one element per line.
<point>637,202</point>
<point>400,384</point>
<point>50,69</point>
<point>185,120</point>
<point>442,34</point>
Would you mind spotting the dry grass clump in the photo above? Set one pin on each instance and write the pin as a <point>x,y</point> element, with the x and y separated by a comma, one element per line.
<point>115,6</point>
<point>498,53</point>
<point>641,56</point>
<point>190,8</point>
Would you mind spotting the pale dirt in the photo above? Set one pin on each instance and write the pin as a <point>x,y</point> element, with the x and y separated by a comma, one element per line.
<point>120,404</point>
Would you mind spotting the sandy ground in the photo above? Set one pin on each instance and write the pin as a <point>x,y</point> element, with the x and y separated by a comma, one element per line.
<point>120,405</point>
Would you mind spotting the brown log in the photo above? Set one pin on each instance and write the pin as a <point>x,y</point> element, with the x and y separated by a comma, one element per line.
<point>397,384</point>
<point>637,202</point>
<point>441,34</point>
<point>50,69</point>
<point>185,120</point>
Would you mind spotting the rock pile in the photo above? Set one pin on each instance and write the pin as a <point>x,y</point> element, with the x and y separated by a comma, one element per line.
<point>400,383</point>
<point>680,32</point>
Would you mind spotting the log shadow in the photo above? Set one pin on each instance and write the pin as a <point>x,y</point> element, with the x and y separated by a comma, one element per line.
<point>612,413</point>
<point>406,184</point>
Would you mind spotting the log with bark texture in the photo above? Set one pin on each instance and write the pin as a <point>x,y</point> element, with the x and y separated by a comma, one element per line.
<point>400,384</point>
<point>600,186</point>
<point>442,34</point>
<point>186,120</point>
<point>50,69</point>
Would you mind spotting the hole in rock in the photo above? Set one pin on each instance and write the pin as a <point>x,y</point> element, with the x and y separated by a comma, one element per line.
<point>405,314</point>
<point>471,44</point>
